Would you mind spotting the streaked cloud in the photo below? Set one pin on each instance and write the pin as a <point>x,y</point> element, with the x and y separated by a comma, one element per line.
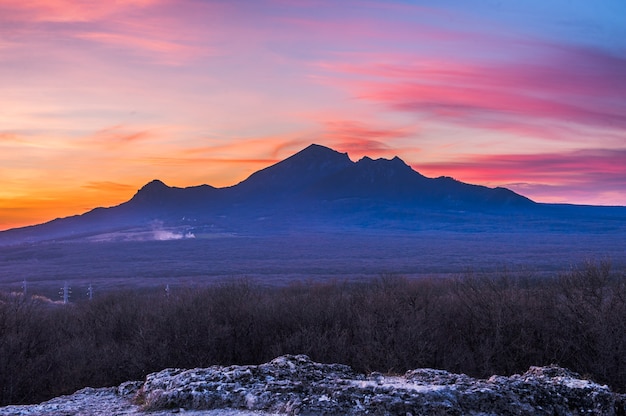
<point>102,93</point>
<point>118,136</point>
<point>360,139</point>
<point>595,175</point>
<point>559,86</point>
<point>152,29</point>
<point>109,186</point>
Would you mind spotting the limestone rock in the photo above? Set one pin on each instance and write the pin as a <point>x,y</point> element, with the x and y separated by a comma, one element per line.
<point>295,385</point>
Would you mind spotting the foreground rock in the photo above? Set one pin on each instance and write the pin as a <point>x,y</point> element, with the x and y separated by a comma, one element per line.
<point>297,385</point>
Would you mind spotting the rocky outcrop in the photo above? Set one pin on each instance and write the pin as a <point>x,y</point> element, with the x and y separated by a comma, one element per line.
<point>296,385</point>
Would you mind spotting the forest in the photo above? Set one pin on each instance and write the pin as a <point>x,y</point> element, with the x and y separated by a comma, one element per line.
<point>477,324</point>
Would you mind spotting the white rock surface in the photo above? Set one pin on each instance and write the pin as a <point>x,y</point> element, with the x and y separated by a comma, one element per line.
<point>296,385</point>
<point>106,402</point>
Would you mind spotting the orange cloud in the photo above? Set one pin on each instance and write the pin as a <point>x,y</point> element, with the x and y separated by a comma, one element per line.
<point>108,186</point>
<point>360,139</point>
<point>273,148</point>
<point>199,162</point>
<point>223,163</point>
<point>10,138</point>
<point>118,136</point>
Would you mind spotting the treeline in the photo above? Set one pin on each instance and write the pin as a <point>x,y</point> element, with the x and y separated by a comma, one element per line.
<point>478,325</point>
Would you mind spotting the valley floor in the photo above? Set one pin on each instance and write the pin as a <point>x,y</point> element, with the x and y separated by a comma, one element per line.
<point>283,259</point>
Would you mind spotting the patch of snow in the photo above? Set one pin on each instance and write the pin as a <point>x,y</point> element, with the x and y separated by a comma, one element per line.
<point>398,383</point>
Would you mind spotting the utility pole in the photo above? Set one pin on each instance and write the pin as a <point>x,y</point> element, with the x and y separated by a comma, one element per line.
<point>24,289</point>
<point>65,292</point>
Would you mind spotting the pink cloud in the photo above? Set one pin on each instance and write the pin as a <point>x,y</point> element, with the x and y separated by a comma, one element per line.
<point>373,20</point>
<point>166,51</point>
<point>556,86</point>
<point>154,29</point>
<point>584,176</point>
<point>546,166</point>
<point>65,11</point>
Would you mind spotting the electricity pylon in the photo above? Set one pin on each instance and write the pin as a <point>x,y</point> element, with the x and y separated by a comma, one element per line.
<point>65,292</point>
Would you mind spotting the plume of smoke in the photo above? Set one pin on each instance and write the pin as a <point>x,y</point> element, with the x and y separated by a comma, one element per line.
<point>162,235</point>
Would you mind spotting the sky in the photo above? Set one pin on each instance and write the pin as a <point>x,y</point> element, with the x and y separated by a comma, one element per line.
<point>97,98</point>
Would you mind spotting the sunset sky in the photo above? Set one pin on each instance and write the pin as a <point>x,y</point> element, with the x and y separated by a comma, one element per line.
<point>99,97</point>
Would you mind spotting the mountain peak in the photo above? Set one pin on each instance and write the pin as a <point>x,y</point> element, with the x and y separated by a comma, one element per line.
<point>152,191</point>
<point>382,164</point>
<point>153,185</point>
<point>309,165</point>
<point>319,152</point>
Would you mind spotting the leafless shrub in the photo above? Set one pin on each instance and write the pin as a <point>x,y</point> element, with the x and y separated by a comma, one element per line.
<point>475,324</point>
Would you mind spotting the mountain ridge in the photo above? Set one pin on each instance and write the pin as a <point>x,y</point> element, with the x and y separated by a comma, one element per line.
<point>317,163</point>
<point>315,187</point>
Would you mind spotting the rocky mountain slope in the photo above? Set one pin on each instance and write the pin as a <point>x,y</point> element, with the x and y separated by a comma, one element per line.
<point>296,385</point>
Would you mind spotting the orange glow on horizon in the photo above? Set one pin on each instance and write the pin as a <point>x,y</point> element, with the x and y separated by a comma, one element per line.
<point>99,98</point>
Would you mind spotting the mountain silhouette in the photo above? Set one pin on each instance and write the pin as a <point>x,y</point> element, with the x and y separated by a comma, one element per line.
<point>156,197</point>
<point>316,187</point>
<point>318,173</point>
<point>294,173</point>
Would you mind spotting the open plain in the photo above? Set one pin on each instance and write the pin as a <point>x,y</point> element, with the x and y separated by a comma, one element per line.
<point>281,259</point>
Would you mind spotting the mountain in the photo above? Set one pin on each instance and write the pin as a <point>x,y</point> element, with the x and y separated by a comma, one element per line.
<point>315,188</point>
<point>394,180</point>
<point>318,173</point>
<point>293,174</point>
